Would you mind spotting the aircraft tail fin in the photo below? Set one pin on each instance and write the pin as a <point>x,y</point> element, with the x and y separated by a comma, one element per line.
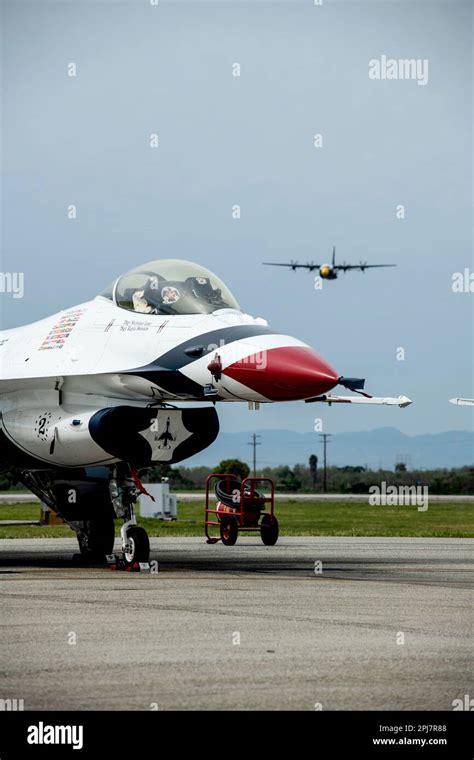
<point>333,255</point>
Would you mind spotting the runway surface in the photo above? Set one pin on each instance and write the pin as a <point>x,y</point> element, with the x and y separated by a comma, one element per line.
<point>387,624</point>
<point>13,497</point>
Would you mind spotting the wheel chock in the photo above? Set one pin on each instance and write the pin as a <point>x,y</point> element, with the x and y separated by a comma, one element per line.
<point>116,562</point>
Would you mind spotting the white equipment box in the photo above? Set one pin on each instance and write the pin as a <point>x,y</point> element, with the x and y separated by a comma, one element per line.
<point>164,507</point>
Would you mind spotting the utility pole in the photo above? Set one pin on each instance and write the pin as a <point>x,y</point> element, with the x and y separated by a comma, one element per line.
<point>254,443</point>
<point>325,436</point>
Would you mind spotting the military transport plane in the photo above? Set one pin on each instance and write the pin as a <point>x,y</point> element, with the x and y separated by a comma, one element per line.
<point>328,271</point>
<point>130,379</point>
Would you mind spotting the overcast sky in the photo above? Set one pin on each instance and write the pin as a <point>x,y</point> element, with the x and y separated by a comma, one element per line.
<point>249,140</point>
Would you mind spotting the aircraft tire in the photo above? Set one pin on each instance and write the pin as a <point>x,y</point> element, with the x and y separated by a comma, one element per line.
<point>138,546</point>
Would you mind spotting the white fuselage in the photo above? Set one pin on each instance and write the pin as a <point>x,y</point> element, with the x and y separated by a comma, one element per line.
<point>56,373</point>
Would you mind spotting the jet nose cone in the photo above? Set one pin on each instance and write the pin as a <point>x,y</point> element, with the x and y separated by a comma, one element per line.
<point>284,374</point>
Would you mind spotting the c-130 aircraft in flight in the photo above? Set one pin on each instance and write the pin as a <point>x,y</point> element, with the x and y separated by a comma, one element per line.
<point>328,271</point>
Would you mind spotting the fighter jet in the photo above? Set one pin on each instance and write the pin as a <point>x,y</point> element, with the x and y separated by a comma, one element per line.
<point>328,271</point>
<point>462,401</point>
<point>94,394</point>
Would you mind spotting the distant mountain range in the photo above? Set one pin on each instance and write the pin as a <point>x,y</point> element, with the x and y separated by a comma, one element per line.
<point>382,447</point>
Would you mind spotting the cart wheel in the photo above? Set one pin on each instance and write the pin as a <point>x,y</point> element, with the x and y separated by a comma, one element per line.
<point>229,530</point>
<point>269,530</point>
<point>138,546</point>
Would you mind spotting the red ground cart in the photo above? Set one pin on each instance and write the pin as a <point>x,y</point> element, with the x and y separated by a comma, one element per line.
<point>240,507</point>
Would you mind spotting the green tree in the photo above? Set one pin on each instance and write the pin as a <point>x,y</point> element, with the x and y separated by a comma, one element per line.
<point>286,479</point>
<point>234,466</point>
<point>159,471</point>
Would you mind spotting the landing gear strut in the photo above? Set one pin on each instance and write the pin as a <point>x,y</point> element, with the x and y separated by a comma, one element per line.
<point>97,502</point>
<point>135,541</point>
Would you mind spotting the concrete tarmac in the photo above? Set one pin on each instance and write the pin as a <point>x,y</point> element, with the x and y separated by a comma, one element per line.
<point>381,623</point>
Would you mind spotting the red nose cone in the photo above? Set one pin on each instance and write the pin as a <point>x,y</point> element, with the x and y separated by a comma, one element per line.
<point>284,374</point>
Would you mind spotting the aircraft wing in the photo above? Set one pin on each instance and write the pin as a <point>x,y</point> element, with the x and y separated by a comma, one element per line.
<point>345,267</point>
<point>462,401</point>
<point>401,401</point>
<point>292,266</point>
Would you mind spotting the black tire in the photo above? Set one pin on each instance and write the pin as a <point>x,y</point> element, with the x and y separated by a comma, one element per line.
<point>99,538</point>
<point>269,530</point>
<point>224,488</point>
<point>229,530</point>
<point>139,546</point>
<point>224,494</point>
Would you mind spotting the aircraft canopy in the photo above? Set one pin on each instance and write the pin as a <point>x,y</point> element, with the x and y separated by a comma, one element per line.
<point>171,286</point>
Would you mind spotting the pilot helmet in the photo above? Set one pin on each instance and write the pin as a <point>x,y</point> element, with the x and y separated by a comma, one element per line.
<point>152,290</point>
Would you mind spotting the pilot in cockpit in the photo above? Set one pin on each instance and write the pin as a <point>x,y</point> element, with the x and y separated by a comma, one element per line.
<point>159,296</point>
<point>145,300</point>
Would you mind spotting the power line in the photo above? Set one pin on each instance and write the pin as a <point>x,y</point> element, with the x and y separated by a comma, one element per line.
<point>254,443</point>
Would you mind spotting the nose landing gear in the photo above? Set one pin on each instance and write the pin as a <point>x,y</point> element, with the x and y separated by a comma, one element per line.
<point>135,541</point>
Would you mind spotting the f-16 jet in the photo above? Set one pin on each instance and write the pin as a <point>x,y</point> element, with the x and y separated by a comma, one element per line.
<point>328,271</point>
<point>93,395</point>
